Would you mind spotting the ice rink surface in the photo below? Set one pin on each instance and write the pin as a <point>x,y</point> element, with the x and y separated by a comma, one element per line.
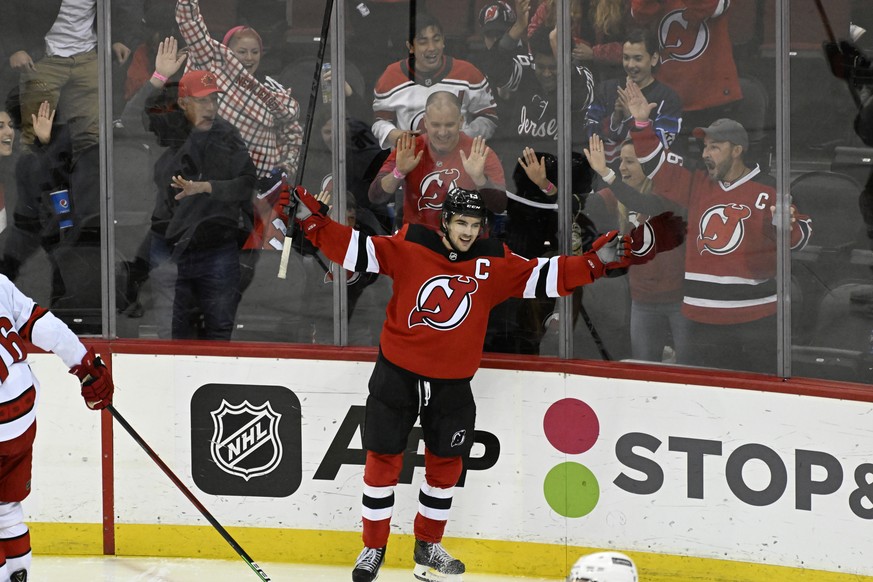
<point>110,569</point>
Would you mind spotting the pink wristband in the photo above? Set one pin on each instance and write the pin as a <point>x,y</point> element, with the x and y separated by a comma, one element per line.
<point>396,173</point>
<point>159,77</point>
<point>548,189</point>
<point>642,124</point>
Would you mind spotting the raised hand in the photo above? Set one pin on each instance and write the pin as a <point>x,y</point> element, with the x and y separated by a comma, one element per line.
<point>406,159</point>
<point>169,59</point>
<point>42,122</point>
<point>596,157</point>
<point>474,164</point>
<point>535,168</point>
<point>636,103</point>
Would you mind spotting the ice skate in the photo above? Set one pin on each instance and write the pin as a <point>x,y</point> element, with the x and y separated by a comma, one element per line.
<point>368,564</point>
<point>434,564</point>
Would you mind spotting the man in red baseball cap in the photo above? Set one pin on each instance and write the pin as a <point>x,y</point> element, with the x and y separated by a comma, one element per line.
<point>198,99</point>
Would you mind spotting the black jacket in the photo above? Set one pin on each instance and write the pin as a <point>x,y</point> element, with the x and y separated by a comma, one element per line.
<point>220,157</point>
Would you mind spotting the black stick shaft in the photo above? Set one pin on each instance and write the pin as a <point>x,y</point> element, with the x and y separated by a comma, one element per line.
<point>313,93</point>
<point>187,492</point>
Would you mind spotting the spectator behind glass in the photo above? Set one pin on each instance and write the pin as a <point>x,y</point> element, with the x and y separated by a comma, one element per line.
<point>703,74</point>
<point>7,179</point>
<point>608,116</point>
<point>656,287</point>
<point>204,187</point>
<point>264,112</point>
<point>729,306</point>
<point>53,45</point>
<point>429,166</point>
<point>596,27</point>
<point>530,113</point>
<point>504,36</point>
<point>402,90</point>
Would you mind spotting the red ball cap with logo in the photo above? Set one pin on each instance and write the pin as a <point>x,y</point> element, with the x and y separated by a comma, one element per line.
<point>198,84</point>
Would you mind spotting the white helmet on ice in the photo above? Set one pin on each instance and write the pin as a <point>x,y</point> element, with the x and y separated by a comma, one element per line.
<point>603,567</point>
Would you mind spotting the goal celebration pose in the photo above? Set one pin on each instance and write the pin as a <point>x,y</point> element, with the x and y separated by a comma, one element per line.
<point>445,284</point>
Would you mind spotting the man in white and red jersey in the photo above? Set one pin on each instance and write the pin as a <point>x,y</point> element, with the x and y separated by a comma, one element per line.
<point>730,262</point>
<point>402,90</point>
<point>428,166</point>
<point>25,323</point>
<point>445,284</point>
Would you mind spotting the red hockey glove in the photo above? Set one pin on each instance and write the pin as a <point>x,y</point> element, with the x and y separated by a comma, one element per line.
<point>612,249</point>
<point>658,234</point>
<point>309,213</point>
<point>97,385</point>
<point>282,204</point>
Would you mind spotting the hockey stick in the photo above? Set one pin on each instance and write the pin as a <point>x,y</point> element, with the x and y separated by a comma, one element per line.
<point>307,130</point>
<point>187,492</point>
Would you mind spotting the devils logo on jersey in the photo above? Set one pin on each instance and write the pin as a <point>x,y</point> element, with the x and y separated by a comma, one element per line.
<point>443,302</point>
<point>680,40</point>
<point>646,243</point>
<point>721,228</point>
<point>434,187</point>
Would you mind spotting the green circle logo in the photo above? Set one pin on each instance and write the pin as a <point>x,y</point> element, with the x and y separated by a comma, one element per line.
<point>572,427</point>
<point>571,489</point>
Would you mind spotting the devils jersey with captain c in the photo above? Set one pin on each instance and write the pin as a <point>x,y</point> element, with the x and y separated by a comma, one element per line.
<point>730,256</point>
<point>438,314</point>
<point>22,321</point>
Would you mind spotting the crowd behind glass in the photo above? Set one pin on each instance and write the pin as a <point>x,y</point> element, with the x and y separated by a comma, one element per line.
<point>208,105</point>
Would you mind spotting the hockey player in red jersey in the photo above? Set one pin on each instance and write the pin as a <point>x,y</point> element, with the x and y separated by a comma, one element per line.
<point>23,323</point>
<point>730,294</point>
<point>445,284</point>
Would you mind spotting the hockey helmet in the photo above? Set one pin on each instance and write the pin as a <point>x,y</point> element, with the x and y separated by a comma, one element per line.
<point>603,567</point>
<point>463,201</point>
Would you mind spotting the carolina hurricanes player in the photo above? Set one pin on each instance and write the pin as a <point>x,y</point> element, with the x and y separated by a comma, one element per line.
<point>730,260</point>
<point>23,322</point>
<point>445,284</point>
<point>603,567</point>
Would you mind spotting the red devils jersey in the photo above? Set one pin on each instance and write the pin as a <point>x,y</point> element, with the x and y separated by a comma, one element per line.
<point>23,321</point>
<point>438,313</point>
<point>696,52</point>
<point>730,256</point>
<point>426,186</point>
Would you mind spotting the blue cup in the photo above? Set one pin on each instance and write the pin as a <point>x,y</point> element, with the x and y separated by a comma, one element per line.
<point>61,204</point>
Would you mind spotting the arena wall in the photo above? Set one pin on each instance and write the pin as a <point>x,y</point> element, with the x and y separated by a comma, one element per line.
<point>706,479</point>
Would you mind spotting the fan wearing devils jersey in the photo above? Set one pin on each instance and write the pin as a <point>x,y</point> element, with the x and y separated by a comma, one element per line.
<point>22,323</point>
<point>696,52</point>
<point>430,165</point>
<point>402,90</point>
<point>730,262</point>
<point>445,284</point>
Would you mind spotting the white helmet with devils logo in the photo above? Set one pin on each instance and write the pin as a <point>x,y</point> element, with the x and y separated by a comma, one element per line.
<point>603,567</point>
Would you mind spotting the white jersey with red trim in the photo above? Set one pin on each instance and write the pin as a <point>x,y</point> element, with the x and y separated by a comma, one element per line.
<point>23,322</point>
<point>730,256</point>
<point>400,96</point>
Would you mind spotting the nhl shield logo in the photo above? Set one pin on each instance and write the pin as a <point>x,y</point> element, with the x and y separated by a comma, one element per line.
<point>245,439</point>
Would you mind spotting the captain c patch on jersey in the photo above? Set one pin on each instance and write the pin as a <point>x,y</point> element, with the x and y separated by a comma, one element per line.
<point>443,302</point>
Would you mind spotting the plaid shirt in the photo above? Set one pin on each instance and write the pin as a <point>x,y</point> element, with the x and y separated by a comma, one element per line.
<point>265,113</point>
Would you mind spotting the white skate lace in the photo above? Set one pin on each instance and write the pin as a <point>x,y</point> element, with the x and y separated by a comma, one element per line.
<point>440,558</point>
<point>369,559</point>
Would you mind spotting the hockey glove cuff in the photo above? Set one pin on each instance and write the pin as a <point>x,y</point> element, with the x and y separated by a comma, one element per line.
<point>96,380</point>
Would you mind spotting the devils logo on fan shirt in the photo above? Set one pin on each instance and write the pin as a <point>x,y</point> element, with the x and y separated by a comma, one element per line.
<point>721,228</point>
<point>434,187</point>
<point>443,302</point>
<point>681,40</point>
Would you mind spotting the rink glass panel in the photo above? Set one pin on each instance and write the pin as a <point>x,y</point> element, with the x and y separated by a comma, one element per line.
<point>829,325</point>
